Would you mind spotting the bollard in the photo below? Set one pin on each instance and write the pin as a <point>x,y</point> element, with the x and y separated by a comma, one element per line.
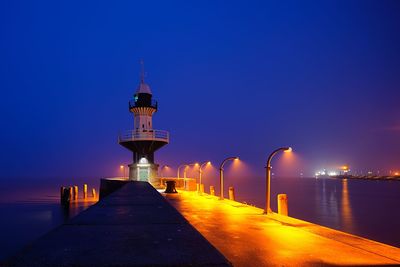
<point>212,190</point>
<point>197,187</point>
<point>62,193</point>
<point>202,188</point>
<point>84,191</point>
<point>231,193</point>
<point>93,193</point>
<point>65,197</point>
<point>283,204</point>
<point>170,187</point>
<point>71,192</point>
<point>75,192</point>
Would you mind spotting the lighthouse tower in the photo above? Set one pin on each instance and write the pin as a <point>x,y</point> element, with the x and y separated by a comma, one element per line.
<point>143,140</point>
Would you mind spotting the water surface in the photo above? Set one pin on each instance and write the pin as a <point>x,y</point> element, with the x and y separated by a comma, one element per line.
<point>29,209</point>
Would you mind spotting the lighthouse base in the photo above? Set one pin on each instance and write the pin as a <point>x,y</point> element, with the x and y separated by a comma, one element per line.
<point>147,172</point>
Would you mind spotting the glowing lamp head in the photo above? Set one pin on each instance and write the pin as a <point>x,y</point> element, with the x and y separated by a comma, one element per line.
<point>196,164</point>
<point>121,166</point>
<point>288,149</point>
<point>209,163</point>
<point>237,158</point>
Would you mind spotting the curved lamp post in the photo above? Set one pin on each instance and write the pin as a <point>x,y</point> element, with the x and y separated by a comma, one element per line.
<point>161,169</point>
<point>268,182</point>
<point>201,171</point>
<point>221,175</point>
<point>122,168</point>
<point>179,167</point>
<point>186,166</point>
<point>184,171</point>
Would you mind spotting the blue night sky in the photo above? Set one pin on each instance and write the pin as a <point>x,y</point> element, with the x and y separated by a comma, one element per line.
<point>231,78</point>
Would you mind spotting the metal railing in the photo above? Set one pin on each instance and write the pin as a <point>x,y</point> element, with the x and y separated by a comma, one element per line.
<point>144,135</point>
<point>152,104</point>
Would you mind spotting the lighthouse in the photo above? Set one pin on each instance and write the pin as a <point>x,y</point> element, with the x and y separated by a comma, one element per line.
<point>143,140</point>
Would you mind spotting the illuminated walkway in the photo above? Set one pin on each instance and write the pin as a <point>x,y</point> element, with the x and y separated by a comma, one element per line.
<point>248,238</point>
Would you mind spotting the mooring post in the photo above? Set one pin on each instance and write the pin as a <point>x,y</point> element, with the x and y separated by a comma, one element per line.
<point>62,193</point>
<point>231,193</point>
<point>170,189</point>
<point>212,190</point>
<point>93,193</point>
<point>84,191</point>
<point>283,204</point>
<point>71,191</point>
<point>201,188</point>
<point>65,196</point>
<point>75,192</point>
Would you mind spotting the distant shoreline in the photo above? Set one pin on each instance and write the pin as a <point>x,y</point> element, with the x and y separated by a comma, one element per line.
<point>364,177</point>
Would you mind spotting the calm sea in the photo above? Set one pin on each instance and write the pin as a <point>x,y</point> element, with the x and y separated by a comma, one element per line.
<point>369,209</point>
<point>29,208</point>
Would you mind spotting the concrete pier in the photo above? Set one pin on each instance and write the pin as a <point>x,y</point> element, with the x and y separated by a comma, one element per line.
<point>247,237</point>
<point>134,226</point>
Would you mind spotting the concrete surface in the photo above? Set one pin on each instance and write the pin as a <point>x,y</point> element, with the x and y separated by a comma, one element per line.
<point>247,237</point>
<point>134,226</point>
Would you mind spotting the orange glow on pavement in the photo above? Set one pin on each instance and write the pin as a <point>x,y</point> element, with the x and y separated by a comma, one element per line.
<point>244,235</point>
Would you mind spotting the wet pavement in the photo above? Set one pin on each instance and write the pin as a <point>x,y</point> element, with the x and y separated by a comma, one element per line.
<point>247,237</point>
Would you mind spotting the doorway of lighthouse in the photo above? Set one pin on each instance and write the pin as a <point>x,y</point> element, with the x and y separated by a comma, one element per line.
<point>143,170</point>
<point>143,173</point>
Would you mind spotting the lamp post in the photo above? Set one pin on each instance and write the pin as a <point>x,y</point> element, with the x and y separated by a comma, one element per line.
<point>122,168</point>
<point>221,175</point>
<point>201,171</point>
<point>186,166</point>
<point>184,171</point>
<point>268,182</point>
<point>161,169</point>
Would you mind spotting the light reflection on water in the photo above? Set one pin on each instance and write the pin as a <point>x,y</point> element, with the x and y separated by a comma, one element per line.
<point>346,213</point>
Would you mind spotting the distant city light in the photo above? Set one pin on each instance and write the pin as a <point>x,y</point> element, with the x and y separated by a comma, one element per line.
<point>326,173</point>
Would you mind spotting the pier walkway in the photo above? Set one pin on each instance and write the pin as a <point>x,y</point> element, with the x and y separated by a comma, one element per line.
<point>248,238</point>
<point>134,226</point>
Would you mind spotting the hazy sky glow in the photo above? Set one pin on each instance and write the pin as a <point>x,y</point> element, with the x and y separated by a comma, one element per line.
<point>232,78</point>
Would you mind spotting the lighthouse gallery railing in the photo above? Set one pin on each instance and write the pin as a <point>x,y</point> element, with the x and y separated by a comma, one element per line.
<point>144,135</point>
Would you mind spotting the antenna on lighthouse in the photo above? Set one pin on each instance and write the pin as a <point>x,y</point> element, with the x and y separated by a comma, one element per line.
<point>142,73</point>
